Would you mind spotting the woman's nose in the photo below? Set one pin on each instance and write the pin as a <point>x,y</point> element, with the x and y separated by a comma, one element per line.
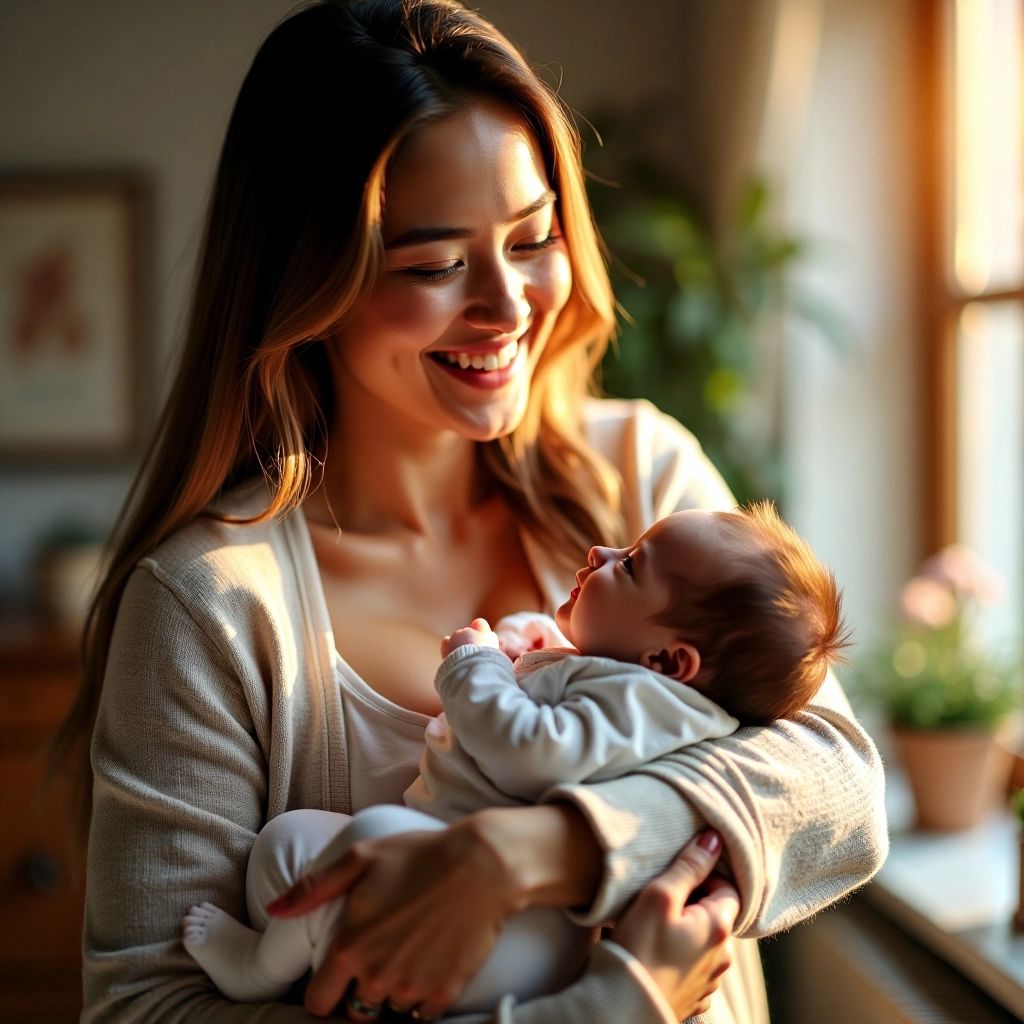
<point>599,556</point>
<point>498,301</point>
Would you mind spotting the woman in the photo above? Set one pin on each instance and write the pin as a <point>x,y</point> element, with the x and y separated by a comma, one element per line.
<point>380,431</point>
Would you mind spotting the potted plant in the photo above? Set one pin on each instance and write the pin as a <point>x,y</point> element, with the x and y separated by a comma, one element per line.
<point>1017,803</point>
<point>948,699</point>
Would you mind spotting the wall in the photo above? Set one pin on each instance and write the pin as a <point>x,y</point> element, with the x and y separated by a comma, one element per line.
<point>852,419</point>
<point>124,85</point>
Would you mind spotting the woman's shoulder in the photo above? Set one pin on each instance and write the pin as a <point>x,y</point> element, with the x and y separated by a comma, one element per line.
<point>662,464</point>
<point>614,425</point>
<point>218,552</point>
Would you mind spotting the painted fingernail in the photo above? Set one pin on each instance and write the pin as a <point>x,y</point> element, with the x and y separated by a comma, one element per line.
<point>710,841</point>
<point>282,902</point>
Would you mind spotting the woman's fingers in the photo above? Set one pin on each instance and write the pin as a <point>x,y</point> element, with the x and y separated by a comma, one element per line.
<point>679,926</point>
<point>327,988</point>
<point>420,918</point>
<point>318,887</point>
<point>361,1010</point>
<point>722,901</point>
<point>691,867</point>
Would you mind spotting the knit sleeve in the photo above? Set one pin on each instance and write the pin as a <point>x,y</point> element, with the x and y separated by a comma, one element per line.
<point>179,793</point>
<point>799,805</point>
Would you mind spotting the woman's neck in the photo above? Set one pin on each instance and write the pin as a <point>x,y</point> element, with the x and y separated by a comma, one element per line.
<point>388,478</point>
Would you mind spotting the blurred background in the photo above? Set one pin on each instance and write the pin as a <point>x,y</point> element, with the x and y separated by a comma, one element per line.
<point>814,211</point>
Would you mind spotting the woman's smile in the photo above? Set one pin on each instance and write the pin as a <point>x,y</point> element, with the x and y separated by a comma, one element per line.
<point>489,367</point>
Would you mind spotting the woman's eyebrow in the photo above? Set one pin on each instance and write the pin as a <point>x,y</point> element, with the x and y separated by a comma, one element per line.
<point>421,236</point>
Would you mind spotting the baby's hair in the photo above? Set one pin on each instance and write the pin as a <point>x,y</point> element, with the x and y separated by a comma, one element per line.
<point>767,633</point>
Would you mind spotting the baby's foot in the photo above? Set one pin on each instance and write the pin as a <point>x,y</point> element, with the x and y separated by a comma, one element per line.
<point>229,953</point>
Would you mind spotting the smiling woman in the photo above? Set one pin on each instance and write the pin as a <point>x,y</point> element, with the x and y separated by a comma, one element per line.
<point>380,431</point>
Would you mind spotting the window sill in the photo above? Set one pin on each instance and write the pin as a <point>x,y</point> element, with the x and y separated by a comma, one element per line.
<point>956,894</point>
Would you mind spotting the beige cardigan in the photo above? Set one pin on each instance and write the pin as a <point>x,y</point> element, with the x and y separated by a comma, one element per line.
<point>219,711</point>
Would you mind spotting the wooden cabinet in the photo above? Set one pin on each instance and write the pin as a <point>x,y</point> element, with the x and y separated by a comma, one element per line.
<point>40,874</point>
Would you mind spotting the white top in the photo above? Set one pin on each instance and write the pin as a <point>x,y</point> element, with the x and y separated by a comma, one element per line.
<point>385,741</point>
<point>509,734</point>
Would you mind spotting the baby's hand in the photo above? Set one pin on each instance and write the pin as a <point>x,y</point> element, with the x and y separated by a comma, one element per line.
<point>514,644</point>
<point>477,632</point>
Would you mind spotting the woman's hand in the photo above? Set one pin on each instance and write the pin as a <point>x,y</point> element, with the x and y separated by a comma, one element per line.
<point>679,927</point>
<point>422,913</point>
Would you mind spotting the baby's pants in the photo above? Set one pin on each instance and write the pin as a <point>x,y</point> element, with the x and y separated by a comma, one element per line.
<point>538,952</point>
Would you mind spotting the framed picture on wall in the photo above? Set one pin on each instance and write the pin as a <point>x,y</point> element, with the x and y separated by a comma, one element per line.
<point>69,317</point>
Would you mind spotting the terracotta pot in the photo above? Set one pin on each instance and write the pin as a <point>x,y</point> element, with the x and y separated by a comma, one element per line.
<point>956,775</point>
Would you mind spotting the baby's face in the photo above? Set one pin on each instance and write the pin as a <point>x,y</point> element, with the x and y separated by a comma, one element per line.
<point>618,594</point>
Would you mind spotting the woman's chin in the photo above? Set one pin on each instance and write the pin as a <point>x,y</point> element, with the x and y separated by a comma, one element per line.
<point>490,423</point>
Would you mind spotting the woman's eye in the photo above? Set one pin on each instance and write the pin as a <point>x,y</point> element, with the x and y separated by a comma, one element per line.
<point>627,565</point>
<point>544,243</point>
<point>425,274</point>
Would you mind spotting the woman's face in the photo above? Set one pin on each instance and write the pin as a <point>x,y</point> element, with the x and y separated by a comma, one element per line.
<point>476,272</point>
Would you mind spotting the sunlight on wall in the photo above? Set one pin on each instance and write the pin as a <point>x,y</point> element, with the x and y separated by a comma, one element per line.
<point>986,260</point>
<point>990,464</point>
<point>989,214</point>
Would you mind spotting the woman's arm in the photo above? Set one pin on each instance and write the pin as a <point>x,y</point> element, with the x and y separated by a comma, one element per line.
<point>393,944</point>
<point>799,805</point>
<point>681,942</point>
<point>179,794</point>
<point>423,909</point>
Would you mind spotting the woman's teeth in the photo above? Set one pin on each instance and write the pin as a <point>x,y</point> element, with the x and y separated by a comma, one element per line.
<point>478,361</point>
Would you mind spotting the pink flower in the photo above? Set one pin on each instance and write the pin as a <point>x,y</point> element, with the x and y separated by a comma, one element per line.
<point>928,602</point>
<point>965,573</point>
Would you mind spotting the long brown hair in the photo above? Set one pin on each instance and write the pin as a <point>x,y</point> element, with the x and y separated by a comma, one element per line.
<point>292,240</point>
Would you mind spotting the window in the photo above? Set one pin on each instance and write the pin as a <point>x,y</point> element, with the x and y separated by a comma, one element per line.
<point>976,240</point>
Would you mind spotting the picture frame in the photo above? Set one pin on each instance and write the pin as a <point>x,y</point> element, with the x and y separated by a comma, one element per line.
<point>70,318</point>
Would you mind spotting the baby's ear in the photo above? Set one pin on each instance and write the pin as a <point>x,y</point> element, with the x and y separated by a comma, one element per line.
<point>680,661</point>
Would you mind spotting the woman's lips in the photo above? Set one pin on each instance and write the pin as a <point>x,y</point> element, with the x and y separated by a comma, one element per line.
<point>574,593</point>
<point>487,380</point>
<point>487,358</point>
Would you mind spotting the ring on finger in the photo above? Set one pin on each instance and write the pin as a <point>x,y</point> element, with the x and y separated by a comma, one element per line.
<point>399,1008</point>
<point>369,1010</point>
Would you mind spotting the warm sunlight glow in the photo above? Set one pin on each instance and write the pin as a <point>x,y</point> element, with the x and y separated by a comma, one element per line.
<point>989,171</point>
<point>990,456</point>
<point>791,80</point>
